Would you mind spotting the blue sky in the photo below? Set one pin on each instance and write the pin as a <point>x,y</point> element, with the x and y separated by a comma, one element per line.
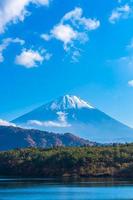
<point>49,48</point>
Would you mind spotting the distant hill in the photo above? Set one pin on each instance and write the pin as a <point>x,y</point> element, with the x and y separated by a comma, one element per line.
<point>74,115</point>
<point>14,137</point>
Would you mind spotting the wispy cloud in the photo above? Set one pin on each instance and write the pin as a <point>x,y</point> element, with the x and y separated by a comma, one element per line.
<point>6,42</point>
<point>125,62</point>
<point>46,37</point>
<point>121,12</point>
<point>6,123</point>
<point>64,33</point>
<point>60,123</point>
<point>128,59</point>
<point>12,11</point>
<point>77,19</point>
<point>72,28</point>
<point>30,58</point>
<point>130,83</point>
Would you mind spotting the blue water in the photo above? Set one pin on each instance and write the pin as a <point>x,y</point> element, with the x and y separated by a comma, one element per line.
<point>50,189</point>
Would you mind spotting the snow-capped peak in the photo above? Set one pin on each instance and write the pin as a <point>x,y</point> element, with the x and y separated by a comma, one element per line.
<point>69,102</point>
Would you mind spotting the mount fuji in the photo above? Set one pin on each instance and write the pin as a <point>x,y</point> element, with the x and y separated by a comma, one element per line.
<point>74,115</point>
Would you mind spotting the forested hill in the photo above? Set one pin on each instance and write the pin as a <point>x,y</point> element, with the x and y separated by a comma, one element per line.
<point>14,137</point>
<point>114,161</point>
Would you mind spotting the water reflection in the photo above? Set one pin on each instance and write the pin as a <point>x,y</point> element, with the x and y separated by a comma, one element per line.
<point>81,182</point>
<point>65,189</point>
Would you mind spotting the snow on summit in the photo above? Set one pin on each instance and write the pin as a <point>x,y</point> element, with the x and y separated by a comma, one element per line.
<point>70,114</point>
<point>68,102</point>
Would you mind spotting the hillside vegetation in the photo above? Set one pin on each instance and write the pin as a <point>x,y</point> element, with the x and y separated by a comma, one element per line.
<point>116,161</point>
<point>15,137</point>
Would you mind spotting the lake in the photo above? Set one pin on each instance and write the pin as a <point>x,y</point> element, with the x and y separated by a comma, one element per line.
<point>67,189</point>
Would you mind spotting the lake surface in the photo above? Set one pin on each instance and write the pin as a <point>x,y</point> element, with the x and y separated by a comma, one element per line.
<point>53,189</point>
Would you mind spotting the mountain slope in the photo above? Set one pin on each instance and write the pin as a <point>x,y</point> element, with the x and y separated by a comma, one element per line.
<point>14,137</point>
<point>71,114</point>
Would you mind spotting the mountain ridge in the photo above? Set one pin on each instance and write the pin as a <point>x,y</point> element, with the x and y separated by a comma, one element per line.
<point>16,137</point>
<point>72,114</point>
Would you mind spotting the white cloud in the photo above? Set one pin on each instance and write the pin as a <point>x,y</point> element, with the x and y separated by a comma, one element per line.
<point>47,56</point>
<point>73,15</point>
<point>6,42</point>
<point>12,11</point>
<point>122,12</point>
<point>45,123</point>
<point>42,2</point>
<point>77,19</point>
<point>90,24</point>
<point>64,33</point>
<point>6,123</point>
<point>130,83</point>
<point>126,61</point>
<point>45,37</point>
<point>30,58</point>
<point>72,28</point>
<point>75,55</point>
<point>60,123</point>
